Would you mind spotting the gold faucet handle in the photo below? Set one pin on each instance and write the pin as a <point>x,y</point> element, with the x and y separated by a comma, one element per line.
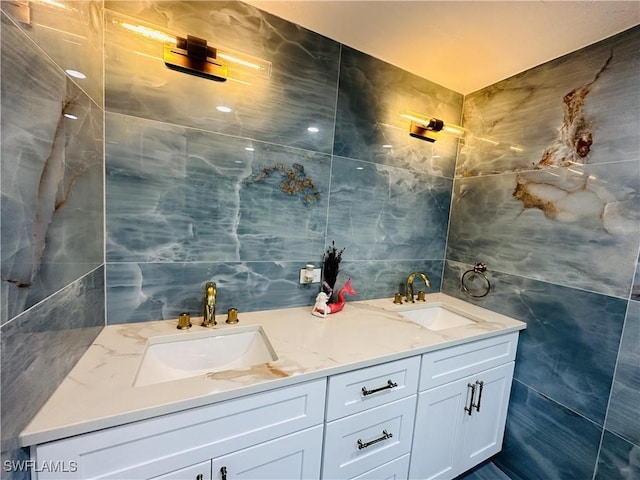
<point>232,316</point>
<point>397,299</point>
<point>184,321</point>
<point>421,296</point>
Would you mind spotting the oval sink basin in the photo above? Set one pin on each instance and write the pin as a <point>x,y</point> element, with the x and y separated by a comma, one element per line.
<point>436,317</point>
<point>184,355</point>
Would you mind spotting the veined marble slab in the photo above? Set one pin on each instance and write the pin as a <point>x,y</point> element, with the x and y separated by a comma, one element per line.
<point>52,176</point>
<point>177,194</point>
<point>382,212</point>
<point>372,97</point>
<point>71,34</point>
<point>300,93</point>
<point>99,392</point>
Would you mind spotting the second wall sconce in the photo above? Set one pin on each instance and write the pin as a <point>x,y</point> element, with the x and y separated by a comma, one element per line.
<point>428,131</point>
<point>428,128</point>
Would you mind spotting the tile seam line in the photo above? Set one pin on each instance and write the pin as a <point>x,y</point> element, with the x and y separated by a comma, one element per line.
<point>565,407</point>
<point>624,298</point>
<point>533,170</point>
<point>207,262</point>
<point>213,132</point>
<point>48,297</point>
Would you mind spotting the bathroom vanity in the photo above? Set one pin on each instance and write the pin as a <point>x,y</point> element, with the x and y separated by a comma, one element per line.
<point>415,390</point>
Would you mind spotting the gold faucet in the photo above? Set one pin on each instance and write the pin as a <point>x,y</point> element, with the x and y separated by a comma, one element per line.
<point>210,293</point>
<point>410,280</point>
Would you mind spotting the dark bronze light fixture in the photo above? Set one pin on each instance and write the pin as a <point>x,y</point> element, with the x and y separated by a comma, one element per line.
<point>192,55</point>
<point>426,131</point>
<point>426,127</point>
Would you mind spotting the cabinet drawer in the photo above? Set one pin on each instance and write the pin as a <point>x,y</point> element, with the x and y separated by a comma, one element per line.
<point>356,444</point>
<point>449,364</point>
<point>152,447</point>
<point>356,391</point>
<point>394,470</point>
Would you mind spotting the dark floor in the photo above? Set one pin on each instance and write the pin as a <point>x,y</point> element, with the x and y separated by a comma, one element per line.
<point>484,471</point>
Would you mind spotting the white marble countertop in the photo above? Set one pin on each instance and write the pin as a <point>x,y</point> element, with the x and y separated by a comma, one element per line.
<point>99,393</point>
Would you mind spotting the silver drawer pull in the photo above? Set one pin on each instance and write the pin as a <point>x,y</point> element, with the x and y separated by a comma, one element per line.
<point>385,435</point>
<point>389,384</point>
<point>223,473</point>
<point>469,408</point>
<point>480,384</point>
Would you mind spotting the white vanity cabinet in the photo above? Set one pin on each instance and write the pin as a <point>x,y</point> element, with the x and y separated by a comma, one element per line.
<point>370,418</point>
<point>462,406</point>
<point>250,435</point>
<point>432,415</point>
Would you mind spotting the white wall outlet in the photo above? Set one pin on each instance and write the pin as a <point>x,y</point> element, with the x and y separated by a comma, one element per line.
<point>316,276</point>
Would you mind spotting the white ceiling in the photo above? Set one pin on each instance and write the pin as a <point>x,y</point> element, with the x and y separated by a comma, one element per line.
<point>463,45</point>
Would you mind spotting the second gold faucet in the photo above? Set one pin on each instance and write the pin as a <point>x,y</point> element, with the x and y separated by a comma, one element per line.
<point>410,280</point>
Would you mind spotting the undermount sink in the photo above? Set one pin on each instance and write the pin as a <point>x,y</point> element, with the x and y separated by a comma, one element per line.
<point>436,317</point>
<point>183,355</point>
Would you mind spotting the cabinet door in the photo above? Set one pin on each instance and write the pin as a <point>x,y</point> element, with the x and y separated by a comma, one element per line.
<point>438,432</point>
<point>293,457</point>
<point>484,428</point>
<point>201,471</point>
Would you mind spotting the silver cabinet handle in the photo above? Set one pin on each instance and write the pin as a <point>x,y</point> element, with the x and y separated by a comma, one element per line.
<point>469,408</point>
<point>385,435</point>
<point>223,473</point>
<point>389,384</point>
<point>199,477</point>
<point>480,384</point>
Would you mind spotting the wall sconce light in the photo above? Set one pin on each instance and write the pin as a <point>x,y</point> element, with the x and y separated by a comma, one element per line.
<point>428,131</point>
<point>192,55</point>
<point>428,128</point>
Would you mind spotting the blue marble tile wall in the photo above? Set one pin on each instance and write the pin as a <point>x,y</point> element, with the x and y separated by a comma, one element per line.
<point>247,197</point>
<point>547,193</point>
<point>51,238</point>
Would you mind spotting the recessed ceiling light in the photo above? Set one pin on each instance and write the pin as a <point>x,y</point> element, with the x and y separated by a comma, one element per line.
<point>387,145</point>
<point>76,74</point>
<point>237,161</point>
<point>224,109</point>
<point>313,129</point>
<point>359,168</point>
<point>70,116</point>
<point>249,149</point>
